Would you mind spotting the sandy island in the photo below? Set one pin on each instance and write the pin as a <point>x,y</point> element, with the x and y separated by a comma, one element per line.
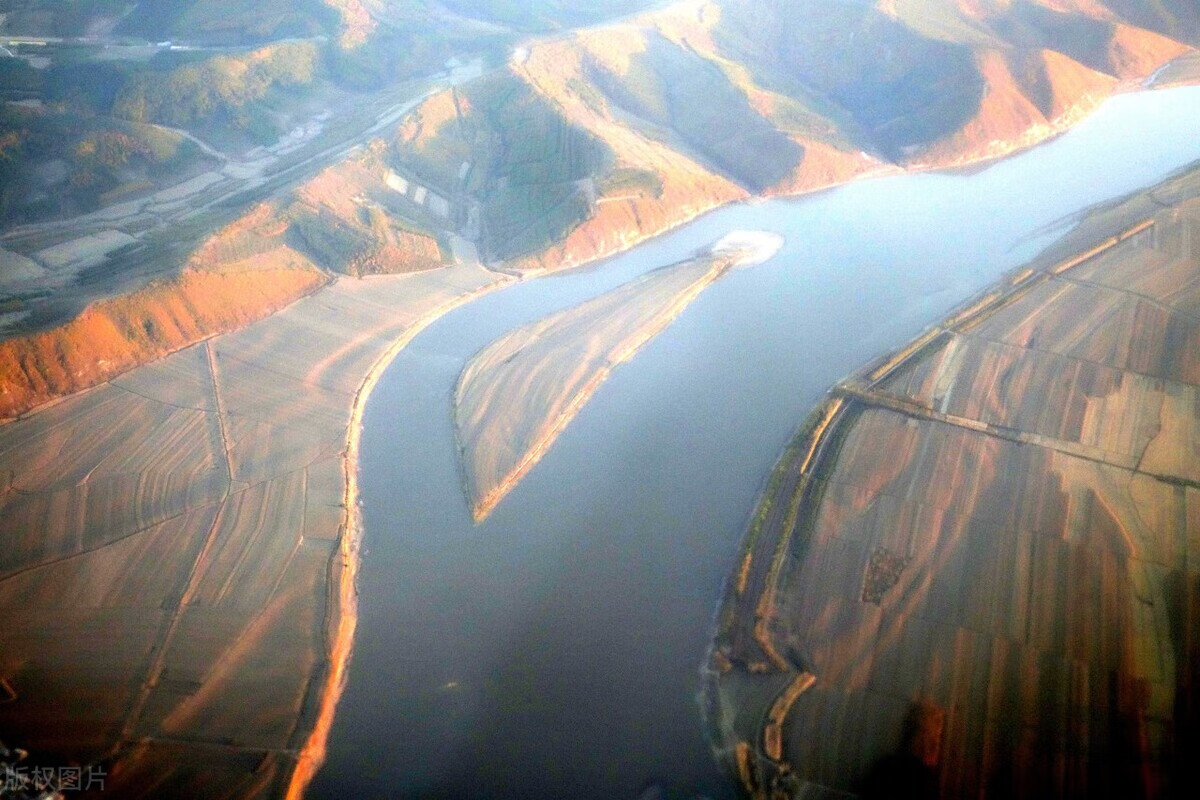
<point>519,393</point>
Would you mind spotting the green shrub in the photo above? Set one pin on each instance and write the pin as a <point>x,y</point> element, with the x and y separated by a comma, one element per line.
<point>220,87</point>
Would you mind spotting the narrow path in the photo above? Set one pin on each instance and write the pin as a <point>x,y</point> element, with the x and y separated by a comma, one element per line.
<point>908,408</point>
<point>167,633</point>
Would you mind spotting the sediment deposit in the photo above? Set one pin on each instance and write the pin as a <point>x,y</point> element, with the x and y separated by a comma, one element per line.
<point>519,393</point>
<point>975,566</point>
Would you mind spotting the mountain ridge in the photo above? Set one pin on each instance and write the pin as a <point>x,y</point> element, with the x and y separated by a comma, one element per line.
<point>585,142</point>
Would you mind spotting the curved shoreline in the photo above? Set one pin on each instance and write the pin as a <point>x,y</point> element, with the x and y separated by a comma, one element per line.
<point>1077,113</point>
<point>744,642</point>
<point>342,614</point>
<point>984,157</point>
<point>254,553</point>
<point>349,552</point>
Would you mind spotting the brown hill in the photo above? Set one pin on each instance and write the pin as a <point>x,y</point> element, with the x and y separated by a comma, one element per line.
<point>587,142</point>
<point>336,222</point>
<point>592,140</point>
<point>114,335</point>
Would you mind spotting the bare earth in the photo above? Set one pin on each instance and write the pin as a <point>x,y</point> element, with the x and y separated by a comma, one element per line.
<point>979,556</point>
<point>185,615</point>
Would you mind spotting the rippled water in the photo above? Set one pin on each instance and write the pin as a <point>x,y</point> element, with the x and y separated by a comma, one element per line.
<point>553,650</point>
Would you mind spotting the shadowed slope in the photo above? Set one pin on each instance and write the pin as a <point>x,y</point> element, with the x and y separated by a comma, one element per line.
<point>588,142</point>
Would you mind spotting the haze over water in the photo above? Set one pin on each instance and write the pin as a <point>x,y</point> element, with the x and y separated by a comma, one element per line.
<point>553,650</point>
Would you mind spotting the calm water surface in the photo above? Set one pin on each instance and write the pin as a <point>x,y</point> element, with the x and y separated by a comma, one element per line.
<point>553,651</point>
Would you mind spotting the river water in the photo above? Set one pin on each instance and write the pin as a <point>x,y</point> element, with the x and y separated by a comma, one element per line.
<point>553,650</point>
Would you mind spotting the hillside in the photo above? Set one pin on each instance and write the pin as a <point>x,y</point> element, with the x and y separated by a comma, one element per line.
<point>593,139</point>
<point>236,75</point>
<point>575,146</point>
<point>342,221</point>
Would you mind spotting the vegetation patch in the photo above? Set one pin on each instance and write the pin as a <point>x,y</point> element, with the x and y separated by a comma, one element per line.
<point>225,90</point>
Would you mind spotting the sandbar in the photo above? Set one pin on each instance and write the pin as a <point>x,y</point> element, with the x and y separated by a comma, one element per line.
<point>517,395</point>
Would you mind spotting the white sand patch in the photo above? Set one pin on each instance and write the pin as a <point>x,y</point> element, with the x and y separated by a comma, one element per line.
<point>754,247</point>
<point>85,251</point>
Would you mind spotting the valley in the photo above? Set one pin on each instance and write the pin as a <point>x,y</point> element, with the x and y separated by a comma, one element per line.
<point>222,230</point>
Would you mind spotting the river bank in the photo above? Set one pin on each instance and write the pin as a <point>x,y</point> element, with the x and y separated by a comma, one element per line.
<point>202,512</point>
<point>509,629</point>
<point>794,653</point>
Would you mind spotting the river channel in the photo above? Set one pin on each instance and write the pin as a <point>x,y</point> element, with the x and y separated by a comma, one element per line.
<point>552,651</point>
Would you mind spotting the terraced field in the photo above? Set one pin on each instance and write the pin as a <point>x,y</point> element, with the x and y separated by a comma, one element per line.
<point>200,512</point>
<point>974,570</point>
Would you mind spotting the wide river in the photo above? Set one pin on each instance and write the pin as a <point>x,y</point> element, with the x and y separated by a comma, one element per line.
<point>553,650</point>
